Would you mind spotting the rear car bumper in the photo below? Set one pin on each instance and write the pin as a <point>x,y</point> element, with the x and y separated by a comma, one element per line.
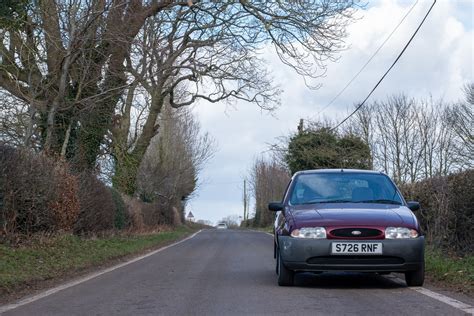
<point>398,255</point>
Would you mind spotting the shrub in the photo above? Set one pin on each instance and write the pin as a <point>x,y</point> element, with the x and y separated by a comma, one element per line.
<point>447,209</point>
<point>97,207</point>
<point>145,215</point>
<point>37,194</point>
<point>247,223</point>
<point>156,214</point>
<point>121,219</point>
<point>167,212</point>
<point>134,213</point>
<point>65,205</point>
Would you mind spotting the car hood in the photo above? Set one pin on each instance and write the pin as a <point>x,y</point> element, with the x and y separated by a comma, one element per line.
<point>352,214</point>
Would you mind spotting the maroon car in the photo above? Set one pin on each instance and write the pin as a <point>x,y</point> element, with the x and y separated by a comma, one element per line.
<point>346,220</point>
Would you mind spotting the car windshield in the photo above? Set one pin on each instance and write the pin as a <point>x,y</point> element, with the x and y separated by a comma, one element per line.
<point>344,187</point>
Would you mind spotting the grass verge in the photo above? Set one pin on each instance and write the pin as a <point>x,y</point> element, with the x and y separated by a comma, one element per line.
<point>67,255</point>
<point>450,270</point>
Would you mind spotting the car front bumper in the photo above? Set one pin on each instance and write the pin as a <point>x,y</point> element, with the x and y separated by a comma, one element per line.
<point>398,255</point>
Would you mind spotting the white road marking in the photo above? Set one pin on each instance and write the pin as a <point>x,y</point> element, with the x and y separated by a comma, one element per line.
<point>466,308</point>
<point>445,299</point>
<point>54,290</point>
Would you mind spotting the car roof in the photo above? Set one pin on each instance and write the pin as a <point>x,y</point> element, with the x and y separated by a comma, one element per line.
<point>336,171</point>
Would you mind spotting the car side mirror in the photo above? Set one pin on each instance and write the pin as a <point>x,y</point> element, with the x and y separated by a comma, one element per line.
<point>414,206</point>
<point>275,206</point>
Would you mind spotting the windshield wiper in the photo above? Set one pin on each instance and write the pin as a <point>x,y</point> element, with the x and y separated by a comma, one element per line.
<point>381,201</point>
<point>327,201</point>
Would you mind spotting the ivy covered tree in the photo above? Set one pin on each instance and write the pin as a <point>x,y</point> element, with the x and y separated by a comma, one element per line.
<point>319,148</point>
<point>90,78</point>
<point>354,152</point>
<point>12,13</point>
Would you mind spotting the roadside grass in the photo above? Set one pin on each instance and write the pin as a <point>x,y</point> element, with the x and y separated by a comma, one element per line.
<point>68,254</point>
<point>451,270</point>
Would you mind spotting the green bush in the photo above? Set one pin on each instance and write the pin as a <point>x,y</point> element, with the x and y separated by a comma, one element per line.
<point>121,220</point>
<point>322,148</point>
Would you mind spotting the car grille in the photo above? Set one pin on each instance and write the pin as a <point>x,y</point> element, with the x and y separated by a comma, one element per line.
<point>348,233</point>
<point>343,260</point>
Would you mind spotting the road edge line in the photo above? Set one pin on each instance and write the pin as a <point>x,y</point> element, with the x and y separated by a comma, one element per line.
<point>464,307</point>
<point>86,278</point>
<point>469,309</point>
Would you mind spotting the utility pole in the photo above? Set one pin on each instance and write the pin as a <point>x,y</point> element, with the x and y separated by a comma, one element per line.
<point>245,200</point>
<point>301,127</point>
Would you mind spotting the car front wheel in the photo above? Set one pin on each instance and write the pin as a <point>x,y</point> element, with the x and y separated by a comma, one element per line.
<point>285,275</point>
<point>417,277</point>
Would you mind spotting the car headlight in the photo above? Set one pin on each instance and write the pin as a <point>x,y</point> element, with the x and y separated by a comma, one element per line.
<point>400,232</point>
<point>309,232</point>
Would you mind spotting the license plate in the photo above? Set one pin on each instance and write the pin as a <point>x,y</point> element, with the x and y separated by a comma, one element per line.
<point>360,248</point>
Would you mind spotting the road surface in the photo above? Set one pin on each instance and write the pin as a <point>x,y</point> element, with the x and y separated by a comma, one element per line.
<point>229,272</point>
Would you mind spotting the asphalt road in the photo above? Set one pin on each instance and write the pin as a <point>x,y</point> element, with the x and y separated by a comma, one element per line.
<point>227,272</point>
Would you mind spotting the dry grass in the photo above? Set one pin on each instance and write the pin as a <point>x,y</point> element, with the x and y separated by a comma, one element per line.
<point>54,257</point>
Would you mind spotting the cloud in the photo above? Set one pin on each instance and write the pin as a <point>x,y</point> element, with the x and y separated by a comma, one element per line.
<point>437,63</point>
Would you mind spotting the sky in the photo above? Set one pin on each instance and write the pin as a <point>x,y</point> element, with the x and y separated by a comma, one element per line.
<point>439,61</point>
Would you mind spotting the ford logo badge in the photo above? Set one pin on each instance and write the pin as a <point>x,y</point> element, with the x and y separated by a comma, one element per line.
<point>356,233</point>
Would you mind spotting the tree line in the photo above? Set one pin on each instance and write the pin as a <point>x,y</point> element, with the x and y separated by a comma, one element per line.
<point>413,139</point>
<point>407,138</point>
<point>90,83</point>
<point>95,75</point>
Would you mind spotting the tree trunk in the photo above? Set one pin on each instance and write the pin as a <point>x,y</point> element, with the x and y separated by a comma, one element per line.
<point>127,164</point>
<point>126,170</point>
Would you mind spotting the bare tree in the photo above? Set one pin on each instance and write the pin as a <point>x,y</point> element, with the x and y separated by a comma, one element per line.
<point>212,53</point>
<point>268,180</point>
<point>460,118</point>
<point>14,120</point>
<point>364,128</point>
<point>74,62</point>
<point>174,159</point>
<point>66,60</point>
<point>415,139</point>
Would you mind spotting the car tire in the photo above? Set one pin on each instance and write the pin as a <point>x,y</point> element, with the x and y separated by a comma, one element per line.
<point>417,277</point>
<point>277,261</point>
<point>285,275</point>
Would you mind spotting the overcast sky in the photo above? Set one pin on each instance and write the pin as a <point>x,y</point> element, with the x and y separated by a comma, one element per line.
<point>439,62</point>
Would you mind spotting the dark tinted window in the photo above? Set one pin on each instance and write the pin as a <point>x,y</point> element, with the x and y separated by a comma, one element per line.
<point>344,187</point>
